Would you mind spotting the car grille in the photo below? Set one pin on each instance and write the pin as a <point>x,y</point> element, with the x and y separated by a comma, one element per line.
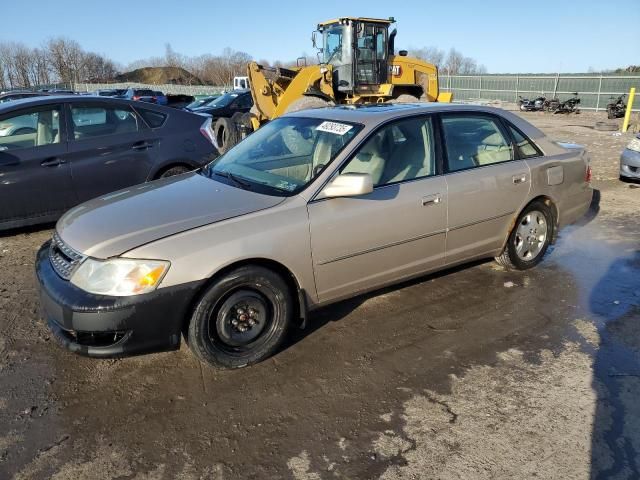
<point>63,258</point>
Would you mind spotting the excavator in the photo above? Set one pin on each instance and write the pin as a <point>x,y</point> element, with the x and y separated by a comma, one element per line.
<point>358,65</point>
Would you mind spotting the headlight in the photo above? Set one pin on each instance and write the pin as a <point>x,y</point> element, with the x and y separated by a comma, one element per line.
<point>634,145</point>
<point>119,277</point>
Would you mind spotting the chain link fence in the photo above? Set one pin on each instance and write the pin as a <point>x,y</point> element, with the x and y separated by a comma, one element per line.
<point>594,91</point>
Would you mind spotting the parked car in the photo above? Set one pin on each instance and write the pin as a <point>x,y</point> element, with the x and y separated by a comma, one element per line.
<point>179,100</point>
<point>630,160</point>
<point>227,104</point>
<point>201,102</point>
<point>137,94</point>
<point>314,207</point>
<point>7,97</point>
<point>161,98</point>
<point>110,92</point>
<point>58,151</point>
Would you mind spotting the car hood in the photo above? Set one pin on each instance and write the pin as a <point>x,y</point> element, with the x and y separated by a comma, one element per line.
<point>118,222</point>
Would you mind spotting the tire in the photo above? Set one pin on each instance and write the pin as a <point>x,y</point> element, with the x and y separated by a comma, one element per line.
<point>307,103</point>
<point>24,131</point>
<point>237,117</point>
<point>518,253</point>
<point>176,170</point>
<point>258,291</point>
<point>606,126</point>
<point>404,98</point>
<point>226,134</point>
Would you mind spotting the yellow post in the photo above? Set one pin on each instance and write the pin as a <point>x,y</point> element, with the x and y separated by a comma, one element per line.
<point>627,115</point>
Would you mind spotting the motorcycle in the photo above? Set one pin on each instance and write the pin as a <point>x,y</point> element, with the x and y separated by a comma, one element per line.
<point>570,105</point>
<point>551,105</point>
<point>616,108</point>
<point>526,105</point>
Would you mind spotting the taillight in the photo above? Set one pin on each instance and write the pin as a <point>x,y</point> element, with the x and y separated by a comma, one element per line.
<point>588,174</point>
<point>135,98</point>
<point>207,131</point>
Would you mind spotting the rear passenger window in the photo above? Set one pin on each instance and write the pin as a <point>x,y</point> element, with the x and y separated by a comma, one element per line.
<point>89,122</point>
<point>474,141</point>
<point>523,144</point>
<point>153,119</point>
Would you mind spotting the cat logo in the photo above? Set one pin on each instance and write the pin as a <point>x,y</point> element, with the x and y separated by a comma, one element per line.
<point>395,70</point>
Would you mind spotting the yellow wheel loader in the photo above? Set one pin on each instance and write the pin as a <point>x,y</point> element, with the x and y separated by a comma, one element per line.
<point>358,65</point>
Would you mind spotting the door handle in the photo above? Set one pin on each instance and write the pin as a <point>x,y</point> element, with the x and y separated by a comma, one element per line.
<point>141,145</point>
<point>520,178</point>
<point>431,200</point>
<point>53,162</point>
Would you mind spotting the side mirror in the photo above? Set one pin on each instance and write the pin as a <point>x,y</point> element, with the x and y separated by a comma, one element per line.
<point>349,185</point>
<point>313,39</point>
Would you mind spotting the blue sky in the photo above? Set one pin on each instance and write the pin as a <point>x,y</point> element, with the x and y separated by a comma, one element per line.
<point>505,36</point>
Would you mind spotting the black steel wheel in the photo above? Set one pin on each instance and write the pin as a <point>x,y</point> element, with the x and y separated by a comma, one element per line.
<point>241,319</point>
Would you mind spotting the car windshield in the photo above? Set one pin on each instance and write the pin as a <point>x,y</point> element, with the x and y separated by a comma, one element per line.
<point>223,100</point>
<point>284,156</point>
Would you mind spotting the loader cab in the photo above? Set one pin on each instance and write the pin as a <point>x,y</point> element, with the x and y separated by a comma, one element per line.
<point>358,51</point>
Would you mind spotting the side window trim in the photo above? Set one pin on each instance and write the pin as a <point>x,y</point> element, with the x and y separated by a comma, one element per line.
<point>501,127</point>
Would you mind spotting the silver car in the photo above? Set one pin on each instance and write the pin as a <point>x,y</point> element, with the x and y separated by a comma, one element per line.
<point>630,160</point>
<point>312,208</point>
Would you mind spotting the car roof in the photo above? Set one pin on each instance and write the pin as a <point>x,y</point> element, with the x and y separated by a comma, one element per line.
<point>53,99</point>
<point>372,115</point>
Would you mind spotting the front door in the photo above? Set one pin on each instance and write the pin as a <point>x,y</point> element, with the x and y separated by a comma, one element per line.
<point>35,179</point>
<point>110,148</point>
<point>398,230</point>
<point>487,186</point>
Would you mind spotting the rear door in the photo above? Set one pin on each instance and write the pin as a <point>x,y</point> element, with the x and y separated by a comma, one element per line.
<point>110,148</point>
<point>487,184</point>
<point>35,178</point>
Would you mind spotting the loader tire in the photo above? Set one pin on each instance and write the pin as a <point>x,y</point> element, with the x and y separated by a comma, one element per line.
<point>293,141</point>
<point>405,98</point>
<point>307,103</point>
<point>226,134</point>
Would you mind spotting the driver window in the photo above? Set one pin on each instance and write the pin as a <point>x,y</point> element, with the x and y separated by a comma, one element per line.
<point>399,152</point>
<point>28,130</point>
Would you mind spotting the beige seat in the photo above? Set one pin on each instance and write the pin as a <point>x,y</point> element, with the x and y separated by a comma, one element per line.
<point>493,150</point>
<point>412,159</point>
<point>370,159</point>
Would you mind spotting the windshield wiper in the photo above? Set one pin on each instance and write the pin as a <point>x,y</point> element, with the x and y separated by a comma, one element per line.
<point>233,178</point>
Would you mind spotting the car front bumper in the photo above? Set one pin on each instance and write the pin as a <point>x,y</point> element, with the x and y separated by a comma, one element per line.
<point>630,164</point>
<point>105,326</point>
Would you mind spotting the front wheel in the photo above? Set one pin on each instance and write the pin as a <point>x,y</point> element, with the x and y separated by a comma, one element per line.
<point>529,239</point>
<point>241,319</point>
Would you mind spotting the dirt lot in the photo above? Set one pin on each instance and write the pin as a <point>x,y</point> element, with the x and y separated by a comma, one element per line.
<point>473,373</point>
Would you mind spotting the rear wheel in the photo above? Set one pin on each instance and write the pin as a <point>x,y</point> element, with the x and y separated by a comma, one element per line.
<point>529,239</point>
<point>241,319</point>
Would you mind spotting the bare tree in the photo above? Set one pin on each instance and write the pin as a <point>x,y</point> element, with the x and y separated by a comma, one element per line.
<point>429,54</point>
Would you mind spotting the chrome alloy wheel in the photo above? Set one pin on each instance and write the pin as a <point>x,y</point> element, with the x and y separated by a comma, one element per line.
<point>531,235</point>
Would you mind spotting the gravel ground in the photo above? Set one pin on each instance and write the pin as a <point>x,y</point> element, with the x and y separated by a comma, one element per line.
<point>472,373</point>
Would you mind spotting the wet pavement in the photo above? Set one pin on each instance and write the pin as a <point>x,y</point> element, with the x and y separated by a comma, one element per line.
<point>474,372</point>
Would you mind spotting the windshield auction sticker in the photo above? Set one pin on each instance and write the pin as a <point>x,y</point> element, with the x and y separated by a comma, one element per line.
<point>334,127</point>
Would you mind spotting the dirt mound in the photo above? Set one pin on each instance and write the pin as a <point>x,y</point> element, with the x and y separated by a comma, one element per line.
<point>160,75</point>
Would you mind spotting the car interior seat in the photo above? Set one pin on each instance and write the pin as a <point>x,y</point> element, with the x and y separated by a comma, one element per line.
<point>371,158</point>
